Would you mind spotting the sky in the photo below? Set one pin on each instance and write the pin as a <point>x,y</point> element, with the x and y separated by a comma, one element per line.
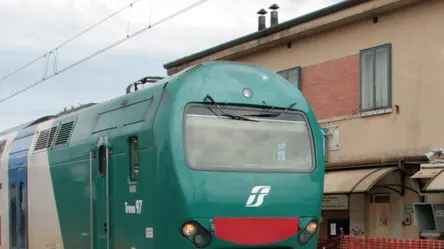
<point>32,28</point>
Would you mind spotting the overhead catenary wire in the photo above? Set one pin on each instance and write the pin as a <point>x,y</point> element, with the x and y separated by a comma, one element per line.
<point>189,7</point>
<point>66,42</point>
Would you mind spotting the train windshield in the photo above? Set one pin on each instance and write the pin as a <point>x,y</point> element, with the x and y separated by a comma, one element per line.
<point>247,139</point>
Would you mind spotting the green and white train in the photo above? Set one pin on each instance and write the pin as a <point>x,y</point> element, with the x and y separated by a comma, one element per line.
<point>220,155</point>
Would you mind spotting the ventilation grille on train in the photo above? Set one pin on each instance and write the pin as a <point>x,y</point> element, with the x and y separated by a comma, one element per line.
<point>64,133</point>
<point>45,138</point>
<point>189,71</point>
<point>2,147</point>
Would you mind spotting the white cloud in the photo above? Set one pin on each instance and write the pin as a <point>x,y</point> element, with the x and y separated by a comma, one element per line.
<point>33,27</point>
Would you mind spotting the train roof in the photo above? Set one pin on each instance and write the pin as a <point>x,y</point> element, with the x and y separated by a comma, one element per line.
<point>44,118</point>
<point>13,129</point>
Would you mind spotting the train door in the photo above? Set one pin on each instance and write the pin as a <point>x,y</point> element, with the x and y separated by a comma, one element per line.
<point>100,194</point>
<point>132,185</point>
<point>18,209</point>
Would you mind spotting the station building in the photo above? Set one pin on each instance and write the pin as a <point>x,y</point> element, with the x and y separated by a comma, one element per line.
<point>373,70</point>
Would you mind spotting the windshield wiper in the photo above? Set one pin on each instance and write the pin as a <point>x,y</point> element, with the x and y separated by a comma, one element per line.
<point>272,114</point>
<point>232,116</point>
<point>236,117</point>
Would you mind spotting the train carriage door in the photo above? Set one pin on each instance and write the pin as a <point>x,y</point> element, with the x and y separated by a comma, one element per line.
<point>100,194</point>
<point>18,209</point>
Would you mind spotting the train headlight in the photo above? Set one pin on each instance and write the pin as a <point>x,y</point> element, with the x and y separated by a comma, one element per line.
<point>312,227</point>
<point>307,233</point>
<point>247,93</point>
<point>196,234</point>
<point>189,229</point>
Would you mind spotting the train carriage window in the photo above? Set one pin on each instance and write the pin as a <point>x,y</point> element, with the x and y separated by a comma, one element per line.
<point>13,215</point>
<point>102,160</point>
<point>134,158</point>
<point>22,214</point>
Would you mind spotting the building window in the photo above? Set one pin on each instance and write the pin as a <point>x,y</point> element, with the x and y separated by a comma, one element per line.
<point>293,75</point>
<point>376,76</point>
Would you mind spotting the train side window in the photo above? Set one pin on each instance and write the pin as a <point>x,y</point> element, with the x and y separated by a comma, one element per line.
<point>13,215</point>
<point>134,158</point>
<point>102,160</point>
<point>22,189</point>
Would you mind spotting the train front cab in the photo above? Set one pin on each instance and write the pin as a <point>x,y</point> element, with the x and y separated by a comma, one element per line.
<point>250,173</point>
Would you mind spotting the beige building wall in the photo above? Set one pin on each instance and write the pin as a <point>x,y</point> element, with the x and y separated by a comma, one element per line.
<point>415,33</point>
<point>358,213</point>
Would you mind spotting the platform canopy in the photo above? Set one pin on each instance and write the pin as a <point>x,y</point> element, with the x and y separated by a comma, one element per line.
<point>426,173</point>
<point>349,181</point>
<point>432,173</point>
<point>436,183</point>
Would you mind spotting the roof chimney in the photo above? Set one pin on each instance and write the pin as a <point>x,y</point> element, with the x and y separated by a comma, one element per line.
<point>274,15</point>
<point>261,21</point>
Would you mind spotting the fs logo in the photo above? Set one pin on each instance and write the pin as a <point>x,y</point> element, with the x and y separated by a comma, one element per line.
<point>257,196</point>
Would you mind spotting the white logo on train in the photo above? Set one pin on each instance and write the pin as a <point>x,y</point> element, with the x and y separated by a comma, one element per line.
<point>134,209</point>
<point>256,198</point>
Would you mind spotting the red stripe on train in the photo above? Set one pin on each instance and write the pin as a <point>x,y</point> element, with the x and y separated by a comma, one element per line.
<point>255,231</point>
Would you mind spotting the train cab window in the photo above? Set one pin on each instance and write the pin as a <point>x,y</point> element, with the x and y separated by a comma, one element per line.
<point>134,158</point>
<point>282,142</point>
<point>102,160</point>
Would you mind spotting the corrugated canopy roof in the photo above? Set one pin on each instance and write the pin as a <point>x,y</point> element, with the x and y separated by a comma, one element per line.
<point>354,181</point>
<point>436,181</point>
